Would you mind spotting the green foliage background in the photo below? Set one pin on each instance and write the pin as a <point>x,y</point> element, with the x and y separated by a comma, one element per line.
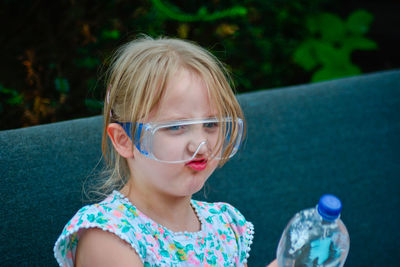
<point>55,53</point>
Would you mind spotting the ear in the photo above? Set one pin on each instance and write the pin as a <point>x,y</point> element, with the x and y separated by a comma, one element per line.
<point>120,140</point>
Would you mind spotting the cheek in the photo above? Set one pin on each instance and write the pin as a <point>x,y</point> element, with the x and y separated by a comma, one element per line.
<point>151,168</point>
<point>164,170</point>
<point>213,164</point>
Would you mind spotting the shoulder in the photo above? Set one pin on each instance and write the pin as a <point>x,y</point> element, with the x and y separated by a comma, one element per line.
<point>243,229</point>
<point>98,215</point>
<point>100,248</point>
<point>225,218</point>
<point>92,222</point>
<point>223,210</point>
<point>232,212</point>
<point>227,215</point>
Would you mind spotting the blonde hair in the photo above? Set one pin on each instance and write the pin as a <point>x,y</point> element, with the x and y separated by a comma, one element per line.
<point>137,79</point>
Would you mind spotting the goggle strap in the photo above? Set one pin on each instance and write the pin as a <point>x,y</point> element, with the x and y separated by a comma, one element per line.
<point>127,126</point>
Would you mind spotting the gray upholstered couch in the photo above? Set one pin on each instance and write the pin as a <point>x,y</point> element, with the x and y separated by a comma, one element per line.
<point>340,137</point>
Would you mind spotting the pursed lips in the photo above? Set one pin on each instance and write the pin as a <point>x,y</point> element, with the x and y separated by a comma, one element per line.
<point>197,164</point>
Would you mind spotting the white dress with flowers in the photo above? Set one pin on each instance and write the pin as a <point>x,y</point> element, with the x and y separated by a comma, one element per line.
<point>224,239</point>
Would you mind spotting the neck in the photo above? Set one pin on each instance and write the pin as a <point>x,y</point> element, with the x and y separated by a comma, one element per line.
<point>174,213</point>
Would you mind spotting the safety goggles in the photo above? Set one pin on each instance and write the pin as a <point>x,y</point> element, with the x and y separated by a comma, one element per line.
<point>181,141</point>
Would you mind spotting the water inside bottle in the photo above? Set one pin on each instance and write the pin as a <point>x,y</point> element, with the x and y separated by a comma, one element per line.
<point>313,244</point>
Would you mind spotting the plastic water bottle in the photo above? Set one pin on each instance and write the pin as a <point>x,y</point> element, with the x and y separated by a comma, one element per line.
<point>315,237</point>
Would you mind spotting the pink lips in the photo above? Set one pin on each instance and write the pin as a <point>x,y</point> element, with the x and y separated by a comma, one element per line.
<point>197,164</point>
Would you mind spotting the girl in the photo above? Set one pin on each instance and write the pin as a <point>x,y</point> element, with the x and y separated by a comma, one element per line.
<point>171,118</point>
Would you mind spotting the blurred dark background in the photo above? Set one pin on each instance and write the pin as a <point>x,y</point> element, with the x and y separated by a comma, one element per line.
<point>55,53</point>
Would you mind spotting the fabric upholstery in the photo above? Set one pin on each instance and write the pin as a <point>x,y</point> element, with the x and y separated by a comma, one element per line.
<point>339,137</point>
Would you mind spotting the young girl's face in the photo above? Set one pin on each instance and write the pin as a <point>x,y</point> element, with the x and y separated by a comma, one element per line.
<point>186,97</point>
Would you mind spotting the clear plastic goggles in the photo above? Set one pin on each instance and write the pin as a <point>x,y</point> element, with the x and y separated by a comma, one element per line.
<point>181,141</point>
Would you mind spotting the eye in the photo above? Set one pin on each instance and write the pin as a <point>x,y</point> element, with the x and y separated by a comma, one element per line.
<point>211,127</point>
<point>174,128</point>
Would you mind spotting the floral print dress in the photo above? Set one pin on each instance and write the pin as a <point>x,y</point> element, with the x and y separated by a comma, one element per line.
<point>224,239</point>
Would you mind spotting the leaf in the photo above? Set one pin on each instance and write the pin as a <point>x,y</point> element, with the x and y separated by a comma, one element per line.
<point>331,27</point>
<point>212,260</point>
<point>189,247</point>
<point>223,208</point>
<point>15,100</point>
<point>209,219</point>
<point>329,72</point>
<point>101,220</point>
<point>91,84</point>
<point>7,91</point>
<point>87,62</point>
<point>350,70</point>
<point>91,217</point>
<point>14,97</point>
<point>61,84</point>
<point>359,21</point>
<point>305,55</point>
<point>359,43</point>
<point>214,211</point>
<point>202,11</point>
<point>113,34</point>
<point>164,253</point>
<point>178,245</point>
<point>83,50</point>
<point>322,75</point>
<point>174,13</point>
<point>328,55</point>
<point>312,24</point>
<point>93,104</point>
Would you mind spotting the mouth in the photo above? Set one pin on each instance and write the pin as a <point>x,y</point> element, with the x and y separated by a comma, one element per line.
<point>197,164</point>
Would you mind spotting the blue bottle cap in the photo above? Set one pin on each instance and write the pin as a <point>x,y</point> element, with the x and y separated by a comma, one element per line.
<point>329,207</point>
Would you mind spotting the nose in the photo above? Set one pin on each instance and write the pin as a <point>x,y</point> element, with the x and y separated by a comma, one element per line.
<point>197,143</point>
<point>196,149</point>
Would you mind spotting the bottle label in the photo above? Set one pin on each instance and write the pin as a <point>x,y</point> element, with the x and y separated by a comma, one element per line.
<point>320,250</point>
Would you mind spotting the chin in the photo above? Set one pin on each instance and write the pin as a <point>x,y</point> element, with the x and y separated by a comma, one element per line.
<point>197,181</point>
